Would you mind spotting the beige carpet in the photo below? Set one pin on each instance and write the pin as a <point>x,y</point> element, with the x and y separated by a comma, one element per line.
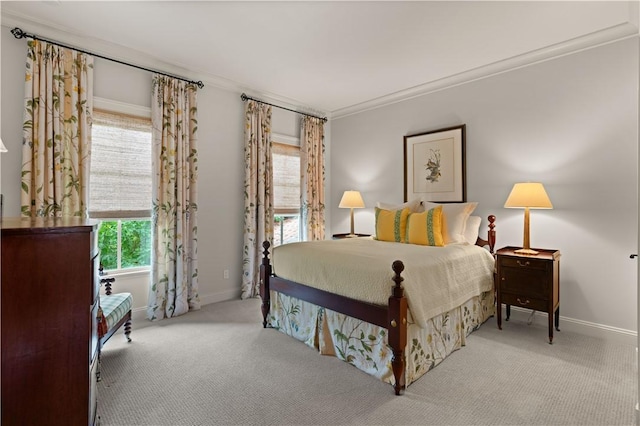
<point>218,366</point>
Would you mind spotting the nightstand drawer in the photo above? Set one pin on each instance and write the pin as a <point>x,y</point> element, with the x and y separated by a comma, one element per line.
<point>525,302</point>
<point>524,262</point>
<point>531,282</point>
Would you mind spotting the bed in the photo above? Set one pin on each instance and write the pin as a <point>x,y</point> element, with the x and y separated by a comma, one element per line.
<point>313,291</point>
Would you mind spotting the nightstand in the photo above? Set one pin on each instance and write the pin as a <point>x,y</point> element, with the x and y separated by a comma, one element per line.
<point>341,236</point>
<point>531,282</point>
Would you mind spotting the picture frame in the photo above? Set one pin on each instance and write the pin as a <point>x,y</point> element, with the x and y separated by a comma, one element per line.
<point>434,165</point>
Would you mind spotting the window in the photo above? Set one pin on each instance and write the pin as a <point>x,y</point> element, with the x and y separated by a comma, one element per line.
<point>120,189</point>
<point>286,193</point>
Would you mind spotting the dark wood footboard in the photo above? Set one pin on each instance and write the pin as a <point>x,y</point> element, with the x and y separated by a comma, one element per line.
<point>393,317</point>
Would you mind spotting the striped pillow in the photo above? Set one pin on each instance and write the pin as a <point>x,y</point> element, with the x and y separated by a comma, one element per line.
<point>425,228</point>
<point>391,225</point>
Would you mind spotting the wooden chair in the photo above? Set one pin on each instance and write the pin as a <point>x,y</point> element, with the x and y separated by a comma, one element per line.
<point>114,312</point>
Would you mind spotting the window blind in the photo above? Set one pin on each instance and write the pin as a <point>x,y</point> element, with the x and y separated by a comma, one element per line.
<point>286,178</point>
<point>120,177</point>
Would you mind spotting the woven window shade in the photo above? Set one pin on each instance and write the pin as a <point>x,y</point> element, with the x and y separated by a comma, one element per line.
<point>120,178</point>
<point>286,178</point>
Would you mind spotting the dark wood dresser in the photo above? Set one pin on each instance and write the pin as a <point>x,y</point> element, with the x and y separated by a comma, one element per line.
<point>49,300</point>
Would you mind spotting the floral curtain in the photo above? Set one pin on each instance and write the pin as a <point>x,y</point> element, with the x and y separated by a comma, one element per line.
<point>258,194</point>
<point>174,269</point>
<point>56,131</point>
<point>312,178</point>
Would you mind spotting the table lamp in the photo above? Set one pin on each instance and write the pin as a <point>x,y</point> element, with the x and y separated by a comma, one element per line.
<point>529,195</point>
<point>351,200</point>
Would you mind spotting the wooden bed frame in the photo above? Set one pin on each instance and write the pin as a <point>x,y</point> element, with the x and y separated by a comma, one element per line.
<point>392,317</point>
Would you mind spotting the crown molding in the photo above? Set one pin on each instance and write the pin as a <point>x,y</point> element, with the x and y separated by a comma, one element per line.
<point>110,50</point>
<point>135,57</point>
<point>126,54</point>
<point>589,41</point>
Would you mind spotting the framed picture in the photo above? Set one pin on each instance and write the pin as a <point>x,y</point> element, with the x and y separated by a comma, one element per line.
<point>434,166</point>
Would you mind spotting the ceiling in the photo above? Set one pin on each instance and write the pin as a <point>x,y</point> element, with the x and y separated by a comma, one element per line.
<point>336,58</point>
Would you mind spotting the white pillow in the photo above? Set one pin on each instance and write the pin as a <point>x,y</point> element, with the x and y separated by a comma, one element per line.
<point>454,219</point>
<point>472,229</point>
<point>415,206</point>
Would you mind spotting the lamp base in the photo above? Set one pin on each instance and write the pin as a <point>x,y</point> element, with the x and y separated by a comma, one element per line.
<point>526,252</point>
<point>351,236</point>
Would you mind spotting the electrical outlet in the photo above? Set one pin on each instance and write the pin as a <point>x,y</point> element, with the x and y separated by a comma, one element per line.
<point>226,274</point>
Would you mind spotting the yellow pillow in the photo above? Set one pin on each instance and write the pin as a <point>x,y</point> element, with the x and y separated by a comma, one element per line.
<point>425,228</point>
<point>391,225</point>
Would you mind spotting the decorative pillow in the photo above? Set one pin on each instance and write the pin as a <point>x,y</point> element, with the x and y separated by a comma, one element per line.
<point>414,206</point>
<point>454,219</point>
<point>391,225</point>
<point>472,230</point>
<point>425,228</point>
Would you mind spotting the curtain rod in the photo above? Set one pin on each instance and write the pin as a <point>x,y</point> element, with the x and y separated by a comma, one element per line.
<point>18,33</point>
<point>247,98</point>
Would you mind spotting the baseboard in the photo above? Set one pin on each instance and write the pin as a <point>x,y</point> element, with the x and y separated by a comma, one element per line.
<point>613,334</point>
<point>219,297</point>
<point>139,315</point>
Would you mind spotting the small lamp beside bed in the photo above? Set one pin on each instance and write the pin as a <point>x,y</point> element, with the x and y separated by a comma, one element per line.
<point>351,200</point>
<point>529,195</point>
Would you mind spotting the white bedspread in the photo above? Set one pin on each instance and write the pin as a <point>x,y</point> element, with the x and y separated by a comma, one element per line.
<point>436,279</point>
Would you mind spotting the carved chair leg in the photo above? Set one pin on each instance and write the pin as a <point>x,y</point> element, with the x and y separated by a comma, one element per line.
<point>127,330</point>
<point>98,376</point>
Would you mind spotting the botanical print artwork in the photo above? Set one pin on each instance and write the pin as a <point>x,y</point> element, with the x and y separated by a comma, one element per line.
<point>433,166</point>
<point>436,174</point>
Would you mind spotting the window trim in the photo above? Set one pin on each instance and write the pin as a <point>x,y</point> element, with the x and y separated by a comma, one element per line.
<point>120,271</point>
<point>121,107</point>
<point>137,111</point>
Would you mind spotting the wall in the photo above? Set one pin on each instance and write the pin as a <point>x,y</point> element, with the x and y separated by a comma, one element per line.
<point>221,172</point>
<point>570,123</point>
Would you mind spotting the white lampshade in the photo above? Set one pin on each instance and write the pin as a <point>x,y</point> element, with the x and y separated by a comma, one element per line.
<point>2,147</point>
<point>351,199</point>
<point>529,194</point>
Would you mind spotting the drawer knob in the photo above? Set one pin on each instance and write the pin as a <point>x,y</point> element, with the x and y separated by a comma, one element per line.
<point>526,302</point>
<point>526,263</point>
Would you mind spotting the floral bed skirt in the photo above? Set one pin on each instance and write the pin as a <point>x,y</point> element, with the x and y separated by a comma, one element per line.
<point>365,345</point>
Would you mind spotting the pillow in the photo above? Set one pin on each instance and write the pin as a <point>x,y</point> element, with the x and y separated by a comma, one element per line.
<point>454,219</point>
<point>425,228</point>
<point>391,225</point>
<point>472,230</point>
<point>413,206</point>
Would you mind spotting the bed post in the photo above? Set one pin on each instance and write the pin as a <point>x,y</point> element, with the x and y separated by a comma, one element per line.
<point>398,327</point>
<point>492,233</point>
<point>265,273</point>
